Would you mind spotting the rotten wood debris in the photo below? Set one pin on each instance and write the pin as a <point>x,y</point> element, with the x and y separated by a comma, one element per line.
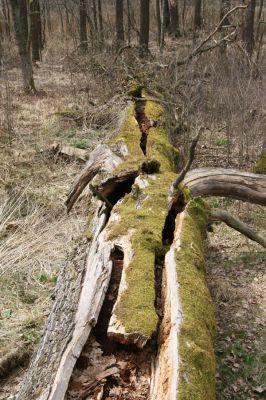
<point>133,317</point>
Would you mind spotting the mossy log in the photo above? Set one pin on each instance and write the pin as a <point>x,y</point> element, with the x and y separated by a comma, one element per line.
<point>140,282</point>
<point>260,167</point>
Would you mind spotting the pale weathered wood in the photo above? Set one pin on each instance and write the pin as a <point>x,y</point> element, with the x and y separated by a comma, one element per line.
<point>235,223</point>
<point>166,365</point>
<point>103,158</point>
<point>227,183</point>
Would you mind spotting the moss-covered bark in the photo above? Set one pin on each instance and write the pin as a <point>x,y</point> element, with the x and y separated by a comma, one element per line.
<point>142,215</point>
<point>197,360</point>
<point>260,167</point>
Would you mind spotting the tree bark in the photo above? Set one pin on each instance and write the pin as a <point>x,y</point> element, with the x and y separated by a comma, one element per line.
<point>20,18</point>
<point>225,7</point>
<point>144,27</point>
<point>119,9</point>
<point>83,25</point>
<point>174,18</point>
<point>248,28</point>
<point>166,11</point>
<point>100,14</point>
<point>158,19</point>
<point>197,14</point>
<point>36,30</point>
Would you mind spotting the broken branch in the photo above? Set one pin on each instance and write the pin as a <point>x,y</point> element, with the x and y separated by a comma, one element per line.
<point>235,223</point>
<point>232,183</point>
<point>192,149</point>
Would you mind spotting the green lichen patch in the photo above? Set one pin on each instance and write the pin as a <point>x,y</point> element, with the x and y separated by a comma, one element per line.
<point>260,167</point>
<point>143,212</point>
<point>197,372</point>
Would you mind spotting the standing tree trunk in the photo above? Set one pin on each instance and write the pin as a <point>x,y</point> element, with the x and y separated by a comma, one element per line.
<point>197,14</point>
<point>158,18</point>
<point>100,14</point>
<point>248,28</point>
<point>128,23</point>
<point>166,11</point>
<point>83,25</point>
<point>144,27</point>
<point>162,34</point>
<point>174,18</point>
<point>225,7</point>
<point>94,10</point>
<point>36,30</point>
<point>5,19</point>
<point>20,18</point>
<point>119,11</point>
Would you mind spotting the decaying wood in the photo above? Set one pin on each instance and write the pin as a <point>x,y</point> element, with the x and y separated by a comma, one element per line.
<point>69,152</point>
<point>101,159</point>
<point>239,185</point>
<point>235,223</point>
<point>166,365</point>
<point>131,216</point>
<point>57,331</point>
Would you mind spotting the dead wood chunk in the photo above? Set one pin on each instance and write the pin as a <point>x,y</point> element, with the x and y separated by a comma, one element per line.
<point>69,152</point>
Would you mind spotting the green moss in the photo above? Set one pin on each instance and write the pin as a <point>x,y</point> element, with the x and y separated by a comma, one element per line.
<point>260,167</point>
<point>197,373</point>
<point>136,309</point>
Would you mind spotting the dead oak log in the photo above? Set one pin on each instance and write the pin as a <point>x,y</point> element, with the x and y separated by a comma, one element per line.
<point>139,226</point>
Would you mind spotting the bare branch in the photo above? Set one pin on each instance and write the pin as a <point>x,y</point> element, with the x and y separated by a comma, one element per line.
<point>199,49</point>
<point>235,223</point>
<point>192,149</point>
<point>232,183</point>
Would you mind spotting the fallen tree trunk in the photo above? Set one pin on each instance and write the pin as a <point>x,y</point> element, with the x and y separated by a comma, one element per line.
<point>131,300</point>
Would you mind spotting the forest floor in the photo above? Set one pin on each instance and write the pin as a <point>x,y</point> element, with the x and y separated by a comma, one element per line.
<point>36,235</point>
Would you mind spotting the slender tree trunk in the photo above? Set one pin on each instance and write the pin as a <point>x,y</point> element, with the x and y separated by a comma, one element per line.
<point>162,26</point>
<point>35,30</point>
<point>100,15</point>
<point>174,18</point>
<point>20,18</point>
<point>259,20</point>
<point>6,19</point>
<point>144,27</point>
<point>120,37</point>
<point>94,10</point>
<point>184,10</point>
<point>225,7</point>
<point>197,14</point>
<point>166,10</point>
<point>260,10</point>
<point>128,23</point>
<point>248,29</point>
<point>158,17</point>
<point>83,25</point>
